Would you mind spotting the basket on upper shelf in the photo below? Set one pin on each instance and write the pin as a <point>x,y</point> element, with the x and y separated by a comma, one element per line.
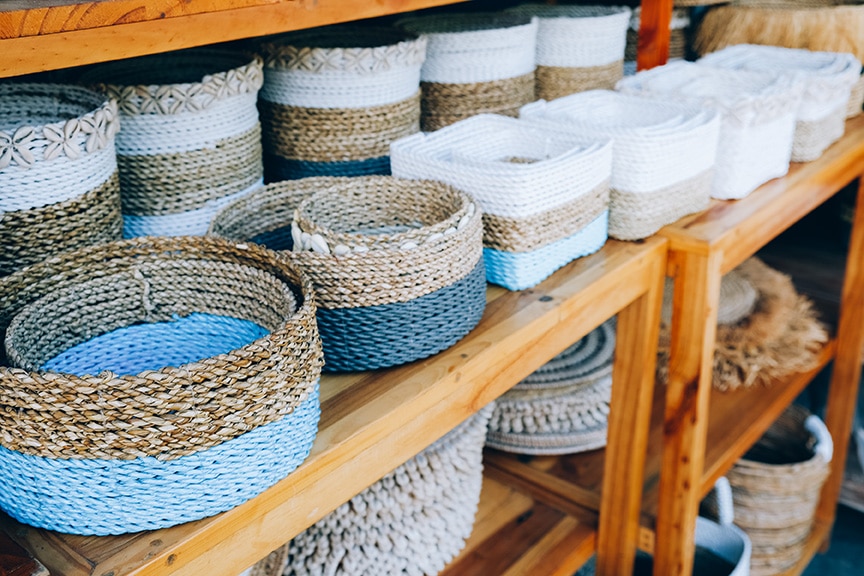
<point>334,98</point>
<point>544,196</point>
<point>155,381</point>
<point>663,154</point>
<point>397,265</point>
<point>58,172</point>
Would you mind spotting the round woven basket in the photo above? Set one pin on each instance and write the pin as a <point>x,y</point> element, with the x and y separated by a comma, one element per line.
<point>475,62</point>
<point>150,376</point>
<point>333,100</point>
<point>738,298</point>
<point>545,196</point>
<point>191,140</point>
<point>678,33</point>
<point>58,172</point>
<point>396,264</point>
<point>413,521</point>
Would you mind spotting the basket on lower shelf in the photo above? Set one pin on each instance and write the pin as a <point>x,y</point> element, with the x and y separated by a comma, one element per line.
<point>271,565</point>
<point>413,521</point>
<point>397,265</point>
<point>562,408</point>
<point>662,155</point>
<point>190,140</point>
<point>156,381</point>
<point>475,63</point>
<point>544,196</point>
<point>58,172</point>
<point>334,98</point>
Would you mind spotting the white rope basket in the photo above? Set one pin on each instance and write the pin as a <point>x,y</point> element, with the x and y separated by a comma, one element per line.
<point>758,112</point>
<point>825,78</point>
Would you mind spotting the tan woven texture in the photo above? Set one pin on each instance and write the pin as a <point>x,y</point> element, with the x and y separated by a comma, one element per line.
<point>737,299</point>
<point>856,99</point>
<point>273,565</point>
<point>554,82</point>
<point>444,104</point>
<point>677,44</point>
<point>811,136</point>
<point>173,411</point>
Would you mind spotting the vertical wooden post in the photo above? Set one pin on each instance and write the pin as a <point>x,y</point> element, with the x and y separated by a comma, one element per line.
<point>653,47</point>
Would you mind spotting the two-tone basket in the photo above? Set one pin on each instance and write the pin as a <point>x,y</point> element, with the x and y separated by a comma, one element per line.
<point>475,63</point>
<point>58,172</point>
<point>191,140</point>
<point>826,80</point>
<point>413,521</point>
<point>333,100</point>
<point>662,159</point>
<point>545,196</point>
<point>397,265</point>
<point>578,47</point>
<point>156,381</point>
<point>563,407</point>
<point>758,111</point>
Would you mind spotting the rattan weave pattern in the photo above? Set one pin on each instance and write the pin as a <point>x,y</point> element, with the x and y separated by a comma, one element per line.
<point>444,104</point>
<point>558,81</point>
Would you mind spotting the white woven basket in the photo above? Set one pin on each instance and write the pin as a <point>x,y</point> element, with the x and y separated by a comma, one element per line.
<point>758,112</point>
<point>663,153</point>
<point>826,80</point>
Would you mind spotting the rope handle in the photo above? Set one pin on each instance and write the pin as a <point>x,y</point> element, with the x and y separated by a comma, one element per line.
<point>725,506</point>
<point>824,443</point>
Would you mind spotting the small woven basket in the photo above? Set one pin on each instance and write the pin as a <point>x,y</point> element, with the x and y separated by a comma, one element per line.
<point>475,63</point>
<point>578,47</point>
<point>396,264</point>
<point>58,172</point>
<point>662,159</point>
<point>856,99</point>
<point>563,407</point>
<point>826,80</point>
<point>545,196</point>
<point>333,100</point>
<point>156,381</point>
<point>191,140</point>
<point>413,521</point>
<point>678,32</point>
<point>758,111</point>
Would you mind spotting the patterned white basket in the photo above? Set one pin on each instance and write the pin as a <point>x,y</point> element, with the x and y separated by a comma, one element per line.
<point>663,154</point>
<point>758,111</point>
<point>826,80</point>
<point>544,196</point>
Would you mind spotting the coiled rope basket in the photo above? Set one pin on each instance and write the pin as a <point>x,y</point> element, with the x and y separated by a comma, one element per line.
<point>154,382</point>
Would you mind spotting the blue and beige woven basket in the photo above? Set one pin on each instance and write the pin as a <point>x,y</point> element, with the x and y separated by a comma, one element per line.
<point>155,381</point>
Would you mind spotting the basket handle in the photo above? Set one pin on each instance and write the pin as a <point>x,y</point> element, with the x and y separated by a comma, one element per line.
<point>824,443</point>
<point>725,507</point>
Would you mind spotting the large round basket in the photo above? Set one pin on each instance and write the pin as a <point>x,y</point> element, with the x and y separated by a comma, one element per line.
<point>397,265</point>
<point>58,172</point>
<point>191,140</point>
<point>156,381</point>
<point>545,196</point>
<point>333,100</point>
<point>475,63</point>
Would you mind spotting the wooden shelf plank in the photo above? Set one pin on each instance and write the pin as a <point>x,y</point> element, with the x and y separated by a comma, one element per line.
<point>15,561</point>
<point>372,422</point>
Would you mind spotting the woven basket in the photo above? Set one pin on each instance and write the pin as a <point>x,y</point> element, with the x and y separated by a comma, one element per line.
<point>776,487</point>
<point>578,47</point>
<point>58,172</point>
<point>678,31</point>
<point>272,565</point>
<point>544,196</point>
<point>475,63</point>
<point>825,78</point>
<point>396,264</point>
<point>191,140</point>
<point>334,98</point>
<point>738,299</point>
<point>150,377</point>
<point>413,521</point>
<point>856,99</point>
<point>662,160</point>
<point>758,112</point>
<point>563,407</point>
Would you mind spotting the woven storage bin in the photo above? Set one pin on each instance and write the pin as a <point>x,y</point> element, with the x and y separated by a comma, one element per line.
<point>545,196</point>
<point>58,172</point>
<point>563,407</point>
<point>776,488</point>
<point>475,63</point>
<point>413,521</point>
<point>191,140</point>
<point>678,31</point>
<point>333,100</point>
<point>856,98</point>
<point>156,381</point>
<point>397,265</point>
<point>272,565</point>
<point>758,111</point>
<point>662,160</point>
<point>826,80</point>
<point>578,47</point>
